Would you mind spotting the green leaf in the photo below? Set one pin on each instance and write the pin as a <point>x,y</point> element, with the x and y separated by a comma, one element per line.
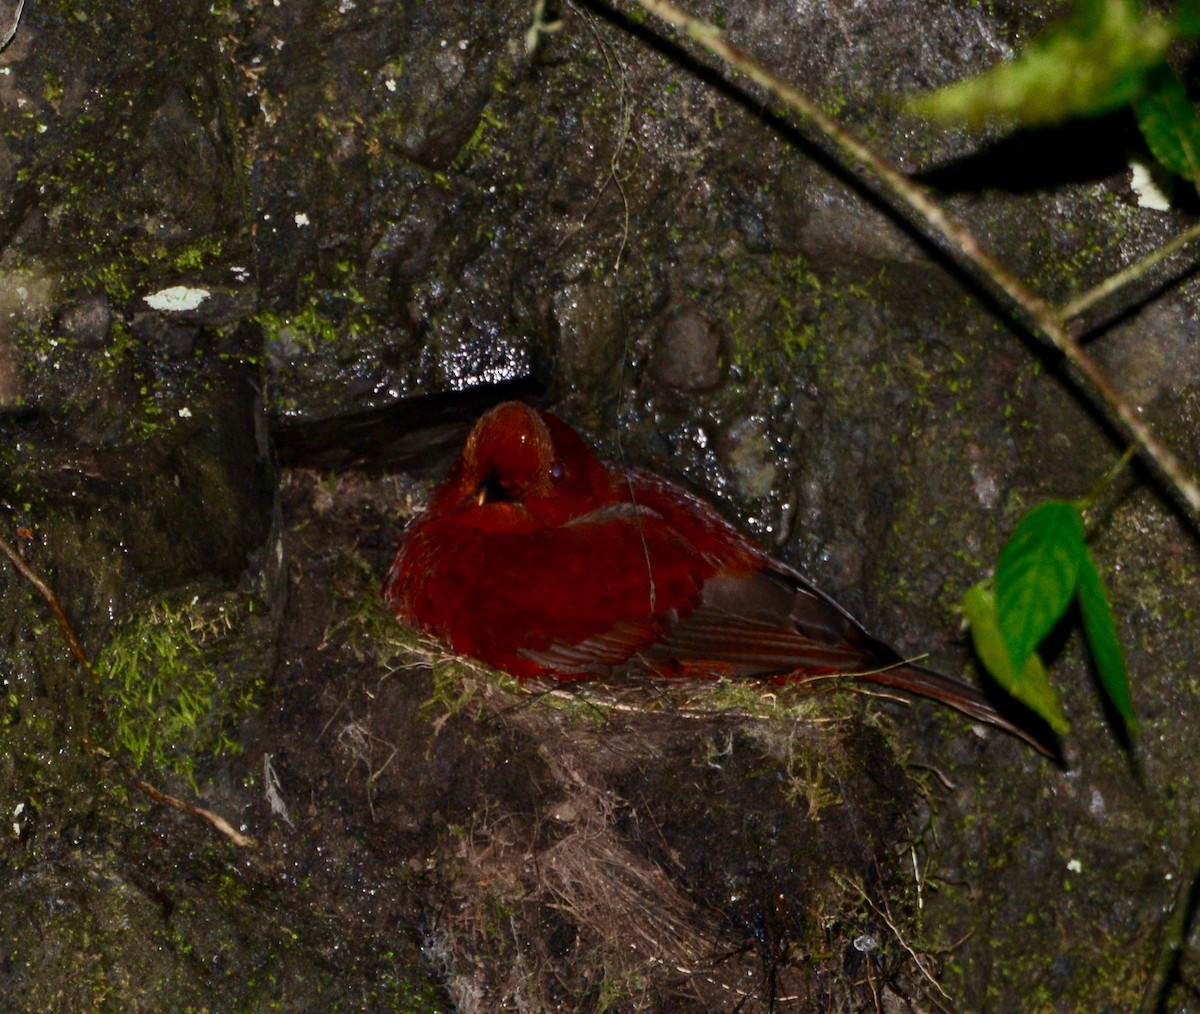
<point>1030,686</point>
<point>1169,123</point>
<point>1101,633</point>
<point>1036,575</point>
<point>1187,18</point>
<point>1092,63</point>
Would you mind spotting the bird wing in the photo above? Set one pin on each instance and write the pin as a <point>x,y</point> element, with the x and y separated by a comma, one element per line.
<point>569,600</point>
<point>771,622</point>
<point>598,655</point>
<point>764,622</point>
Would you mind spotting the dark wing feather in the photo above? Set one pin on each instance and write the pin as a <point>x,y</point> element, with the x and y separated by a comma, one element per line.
<point>772,623</point>
<point>765,623</point>
<point>598,655</point>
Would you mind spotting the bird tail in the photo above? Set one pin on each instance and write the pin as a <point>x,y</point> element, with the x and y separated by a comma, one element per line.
<point>954,693</point>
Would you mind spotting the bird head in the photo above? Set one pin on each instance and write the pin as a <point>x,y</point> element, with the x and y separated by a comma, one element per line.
<point>522,467</point>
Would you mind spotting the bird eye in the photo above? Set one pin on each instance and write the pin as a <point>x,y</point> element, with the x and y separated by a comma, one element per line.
<point>491,490</point>
<point>557,472</point>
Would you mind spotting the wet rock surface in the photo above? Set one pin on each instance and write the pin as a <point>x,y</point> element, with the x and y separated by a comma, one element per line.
<point>353,204</point>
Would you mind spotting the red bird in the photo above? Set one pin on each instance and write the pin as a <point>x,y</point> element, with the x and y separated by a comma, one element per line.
<point>536,557</point>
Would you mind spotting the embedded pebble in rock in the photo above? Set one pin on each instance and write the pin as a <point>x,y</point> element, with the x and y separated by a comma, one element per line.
<point>590,333</point>
<point>687,354</point>
<point>172,341</point>
<point>87,321</point>
<point>1157,361</point>
<point>746,449</point>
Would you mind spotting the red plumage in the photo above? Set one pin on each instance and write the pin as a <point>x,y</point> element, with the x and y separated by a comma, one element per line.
<point>538,558</point>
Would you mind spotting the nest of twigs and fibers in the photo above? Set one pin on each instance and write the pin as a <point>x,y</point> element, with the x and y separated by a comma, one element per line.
<point>590,847</point>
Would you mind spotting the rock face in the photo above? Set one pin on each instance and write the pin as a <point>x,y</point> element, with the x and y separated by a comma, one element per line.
<point>223,220</point>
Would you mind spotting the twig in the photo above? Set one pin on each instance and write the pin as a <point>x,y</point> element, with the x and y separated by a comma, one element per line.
<point>851,885</point>
<point>1166,965</point>
<point>55,607</point>
<point>1088,501</point>
<point>216,820</point>
<point>915,206</point>
<point>1135,272</point>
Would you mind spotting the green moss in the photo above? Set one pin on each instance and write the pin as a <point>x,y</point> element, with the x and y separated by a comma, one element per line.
<point>460,685</point>
<point>766,339</point>
<point>616,992</point>
<point>784,316</point>
<point>196,255</point>
<point>98,386</point>
<point>171,702</point>
<point>327,317</point>
<point>477,146</point>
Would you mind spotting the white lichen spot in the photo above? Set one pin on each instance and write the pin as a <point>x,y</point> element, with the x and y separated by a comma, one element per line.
<point>177,298</point>
<point>1146,187</point>
<point>986,484</point>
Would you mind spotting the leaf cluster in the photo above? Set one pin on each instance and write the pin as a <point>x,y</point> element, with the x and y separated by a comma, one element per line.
<point>1043,570</point>
<point>1108,55</point>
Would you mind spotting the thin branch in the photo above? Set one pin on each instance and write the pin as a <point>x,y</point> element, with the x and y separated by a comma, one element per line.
<point>1166,964</point>
<point>216,820</point>
<point>1127,276</point>
<point>55,607</point>
<point>930,219</point>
